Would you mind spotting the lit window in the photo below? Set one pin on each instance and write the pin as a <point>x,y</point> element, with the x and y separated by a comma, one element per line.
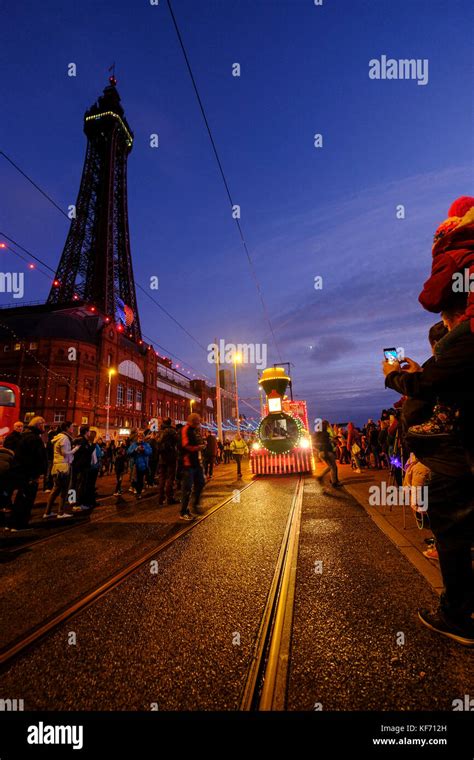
<point>33,346</point>
<point>129,397</point>
<point>120,394</point>
<point>138,401</point>
<point>274,404</point>
<point>17,347</point>
<point>6,348</point>
<point>59,417</point>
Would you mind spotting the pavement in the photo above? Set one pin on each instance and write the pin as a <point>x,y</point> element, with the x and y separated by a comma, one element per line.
<point>397,522</point>
<point>356,641</point>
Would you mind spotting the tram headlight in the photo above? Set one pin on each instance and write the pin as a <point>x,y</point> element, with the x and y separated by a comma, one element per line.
<point>304,443</point>
<point>255,445</point>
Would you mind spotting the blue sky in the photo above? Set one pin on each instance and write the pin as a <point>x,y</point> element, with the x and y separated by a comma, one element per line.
<point>305,211</point>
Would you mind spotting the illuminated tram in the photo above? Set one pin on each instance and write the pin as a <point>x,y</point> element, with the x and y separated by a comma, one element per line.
<point>283,444</point>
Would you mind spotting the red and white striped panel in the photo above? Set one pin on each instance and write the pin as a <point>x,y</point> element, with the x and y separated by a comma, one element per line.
<point>264,463</point>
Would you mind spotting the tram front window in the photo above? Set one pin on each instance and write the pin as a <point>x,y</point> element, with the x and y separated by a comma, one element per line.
<point>280,433</point>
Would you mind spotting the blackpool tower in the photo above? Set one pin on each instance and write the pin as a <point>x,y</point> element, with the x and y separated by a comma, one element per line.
<point>96,266</point>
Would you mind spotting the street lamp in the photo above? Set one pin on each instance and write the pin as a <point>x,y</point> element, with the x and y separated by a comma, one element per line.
<point>111,372</point>
<point>237,360</point>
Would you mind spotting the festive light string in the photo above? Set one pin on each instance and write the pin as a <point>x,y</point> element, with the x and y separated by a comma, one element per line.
<point>56,375</point>
<point>37,269</point>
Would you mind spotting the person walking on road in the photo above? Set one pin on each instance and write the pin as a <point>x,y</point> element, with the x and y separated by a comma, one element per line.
<point>81,465</point>
<point>238,448</point>
<point>133,438</point>
<point>63,454</point>
<point>168,451</point>
<point>139,452</point>
<point>119,465</point>
<point>209,455</point>
<point>29,463</point>
<point>179,463</point>
<point>325,448</point>
<point>227,451</point>
<point>193,475</point>
<point>97,460</point>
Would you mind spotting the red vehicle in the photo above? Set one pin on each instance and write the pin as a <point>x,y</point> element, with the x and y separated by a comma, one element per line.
<point>283,444</point>
<point>9,406</point>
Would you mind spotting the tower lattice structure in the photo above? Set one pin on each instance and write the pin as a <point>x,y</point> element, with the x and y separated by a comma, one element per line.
<point>96,264</point>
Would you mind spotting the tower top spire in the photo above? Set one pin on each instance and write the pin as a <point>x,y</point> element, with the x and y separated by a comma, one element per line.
<point>112,78</point>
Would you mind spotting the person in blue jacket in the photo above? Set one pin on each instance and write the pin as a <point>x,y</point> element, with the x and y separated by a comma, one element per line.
<point>139,451</point>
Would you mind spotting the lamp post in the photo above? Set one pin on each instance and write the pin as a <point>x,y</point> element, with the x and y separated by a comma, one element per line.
<point>237,360</point>
<point>111,372</point>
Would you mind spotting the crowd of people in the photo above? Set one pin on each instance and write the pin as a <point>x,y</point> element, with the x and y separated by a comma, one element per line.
<point>176,459</point>
<point>375,445</point>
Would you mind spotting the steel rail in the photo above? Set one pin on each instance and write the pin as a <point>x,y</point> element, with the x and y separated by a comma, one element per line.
<point>266,684</point>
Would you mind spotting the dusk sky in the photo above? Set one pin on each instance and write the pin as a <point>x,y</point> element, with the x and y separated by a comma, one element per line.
<point>305,211</point>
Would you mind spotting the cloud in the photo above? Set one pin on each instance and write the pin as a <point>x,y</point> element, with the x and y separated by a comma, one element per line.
<point>330,348</point>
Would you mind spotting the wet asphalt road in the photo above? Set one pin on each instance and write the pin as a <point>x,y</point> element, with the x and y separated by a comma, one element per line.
<point>41,579</point>
<point>180,638</point>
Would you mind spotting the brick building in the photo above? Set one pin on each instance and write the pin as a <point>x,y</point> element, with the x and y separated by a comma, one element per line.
<point>62,360</point>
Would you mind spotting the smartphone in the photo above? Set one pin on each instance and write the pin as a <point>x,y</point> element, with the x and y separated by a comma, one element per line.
<point>391,355</point>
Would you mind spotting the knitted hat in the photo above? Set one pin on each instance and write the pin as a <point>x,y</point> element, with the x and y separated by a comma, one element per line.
<point>453,251</point>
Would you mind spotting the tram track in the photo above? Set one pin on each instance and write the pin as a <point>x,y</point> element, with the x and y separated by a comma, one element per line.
<point>86,520</point>
<point>265,687</point>
<point>16,647</point>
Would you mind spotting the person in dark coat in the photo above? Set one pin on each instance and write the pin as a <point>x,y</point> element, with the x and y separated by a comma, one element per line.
<point>29,463</point>
<point>323,443</point>
<point>13,438</point>
<point>168,448</point>
<point>179,461</point>
<point>119,466</point>
<point>81,467</point>
<point>6,485</point>
<point>209,455</point>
